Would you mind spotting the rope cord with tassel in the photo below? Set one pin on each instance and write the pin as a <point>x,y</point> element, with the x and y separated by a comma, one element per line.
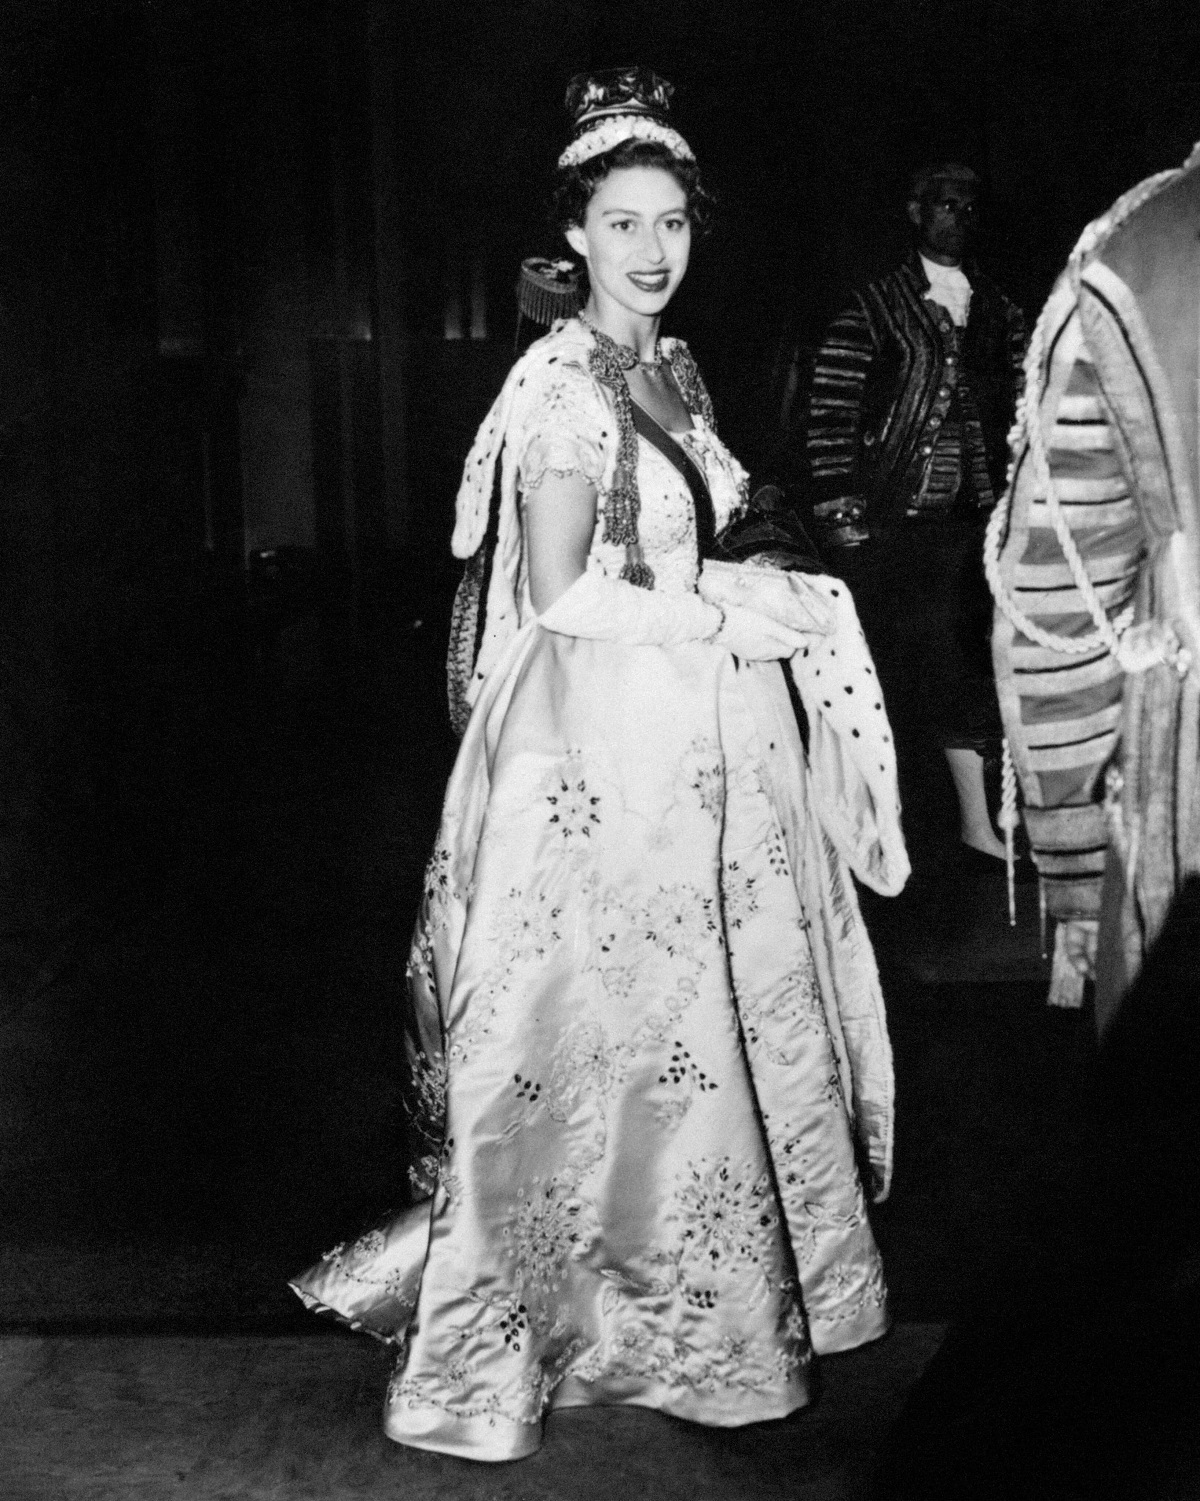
<point>1108,632</point>
<point>1113,634</point>
<point>1008,822</point>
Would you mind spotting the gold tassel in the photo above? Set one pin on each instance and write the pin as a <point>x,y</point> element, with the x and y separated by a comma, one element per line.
<point>548,290</point>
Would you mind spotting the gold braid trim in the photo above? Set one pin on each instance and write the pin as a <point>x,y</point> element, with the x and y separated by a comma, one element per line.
<point>691,384</point>
<point>608,362</point>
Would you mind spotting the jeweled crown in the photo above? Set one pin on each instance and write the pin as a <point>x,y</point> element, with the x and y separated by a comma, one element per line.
<point>616,105</point>
<point>617,91</point>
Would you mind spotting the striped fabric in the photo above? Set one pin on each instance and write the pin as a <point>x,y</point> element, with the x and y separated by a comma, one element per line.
<point>839,376</point>
<point>1061,712</point>
<point>904,406</point>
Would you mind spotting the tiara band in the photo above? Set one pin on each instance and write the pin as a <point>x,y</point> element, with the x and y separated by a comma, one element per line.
<point>615,128</point>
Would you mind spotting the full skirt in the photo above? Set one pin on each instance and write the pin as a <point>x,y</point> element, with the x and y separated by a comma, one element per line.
<point>634,1088</point>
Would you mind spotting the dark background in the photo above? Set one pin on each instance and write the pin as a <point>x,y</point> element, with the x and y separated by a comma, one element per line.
<point>234,239</point>
<point>232,236</point>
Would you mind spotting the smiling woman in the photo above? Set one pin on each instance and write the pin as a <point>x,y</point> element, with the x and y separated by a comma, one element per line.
<point>635,237</point>
<point>646,1034</point>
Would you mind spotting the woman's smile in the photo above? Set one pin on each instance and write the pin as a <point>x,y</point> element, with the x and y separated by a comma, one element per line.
<point>650,281</point>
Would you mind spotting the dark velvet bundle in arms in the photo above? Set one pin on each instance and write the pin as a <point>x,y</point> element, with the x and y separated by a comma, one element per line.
<point>769,531</point>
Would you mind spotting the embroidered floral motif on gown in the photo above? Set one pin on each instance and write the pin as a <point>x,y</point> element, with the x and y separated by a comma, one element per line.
<point>634,1081</point>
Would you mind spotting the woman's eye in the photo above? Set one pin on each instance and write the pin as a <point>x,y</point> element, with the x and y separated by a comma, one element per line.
<point>676,224</point>
<point>621,224</point>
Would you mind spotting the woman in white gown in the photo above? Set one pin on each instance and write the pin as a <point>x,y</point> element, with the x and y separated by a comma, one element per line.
<point>646,1033</point>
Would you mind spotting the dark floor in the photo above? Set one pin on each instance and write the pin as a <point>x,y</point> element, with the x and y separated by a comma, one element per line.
<point>199,1044</point>
<point>285,1418</point>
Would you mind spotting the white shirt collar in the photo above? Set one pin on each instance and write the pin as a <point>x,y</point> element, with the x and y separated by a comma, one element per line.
<point>948,286</point>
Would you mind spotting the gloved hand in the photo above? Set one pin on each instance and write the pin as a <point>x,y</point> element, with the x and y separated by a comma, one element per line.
<point>789,599</point>
<point>756,637</point>
<point>606,609</point>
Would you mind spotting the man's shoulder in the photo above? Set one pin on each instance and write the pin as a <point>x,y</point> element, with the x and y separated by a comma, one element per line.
<point>903,277</point>
<point>879,302</point>
<point>902,283</point>
<point>1157,213</point>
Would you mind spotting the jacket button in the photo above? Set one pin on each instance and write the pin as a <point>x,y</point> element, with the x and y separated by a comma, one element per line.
<point>943,391</point>
<point>926,448</point>
<point>935,421</point>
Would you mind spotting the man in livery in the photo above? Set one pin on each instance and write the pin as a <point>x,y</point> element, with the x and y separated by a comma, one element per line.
<point>912,398</point>
<point>1095,570</point>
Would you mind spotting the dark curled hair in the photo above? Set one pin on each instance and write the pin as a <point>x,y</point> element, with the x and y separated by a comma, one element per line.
<point>574,186</point>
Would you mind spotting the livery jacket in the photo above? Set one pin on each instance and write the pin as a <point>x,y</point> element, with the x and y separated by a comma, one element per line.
<point>1107,753</point>
<point>901,398</point>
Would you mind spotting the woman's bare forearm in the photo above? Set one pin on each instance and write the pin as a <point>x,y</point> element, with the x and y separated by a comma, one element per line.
<point>560,516</point>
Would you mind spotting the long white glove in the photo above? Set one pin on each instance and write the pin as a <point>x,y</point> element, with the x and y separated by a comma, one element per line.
<point>607,609</point>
